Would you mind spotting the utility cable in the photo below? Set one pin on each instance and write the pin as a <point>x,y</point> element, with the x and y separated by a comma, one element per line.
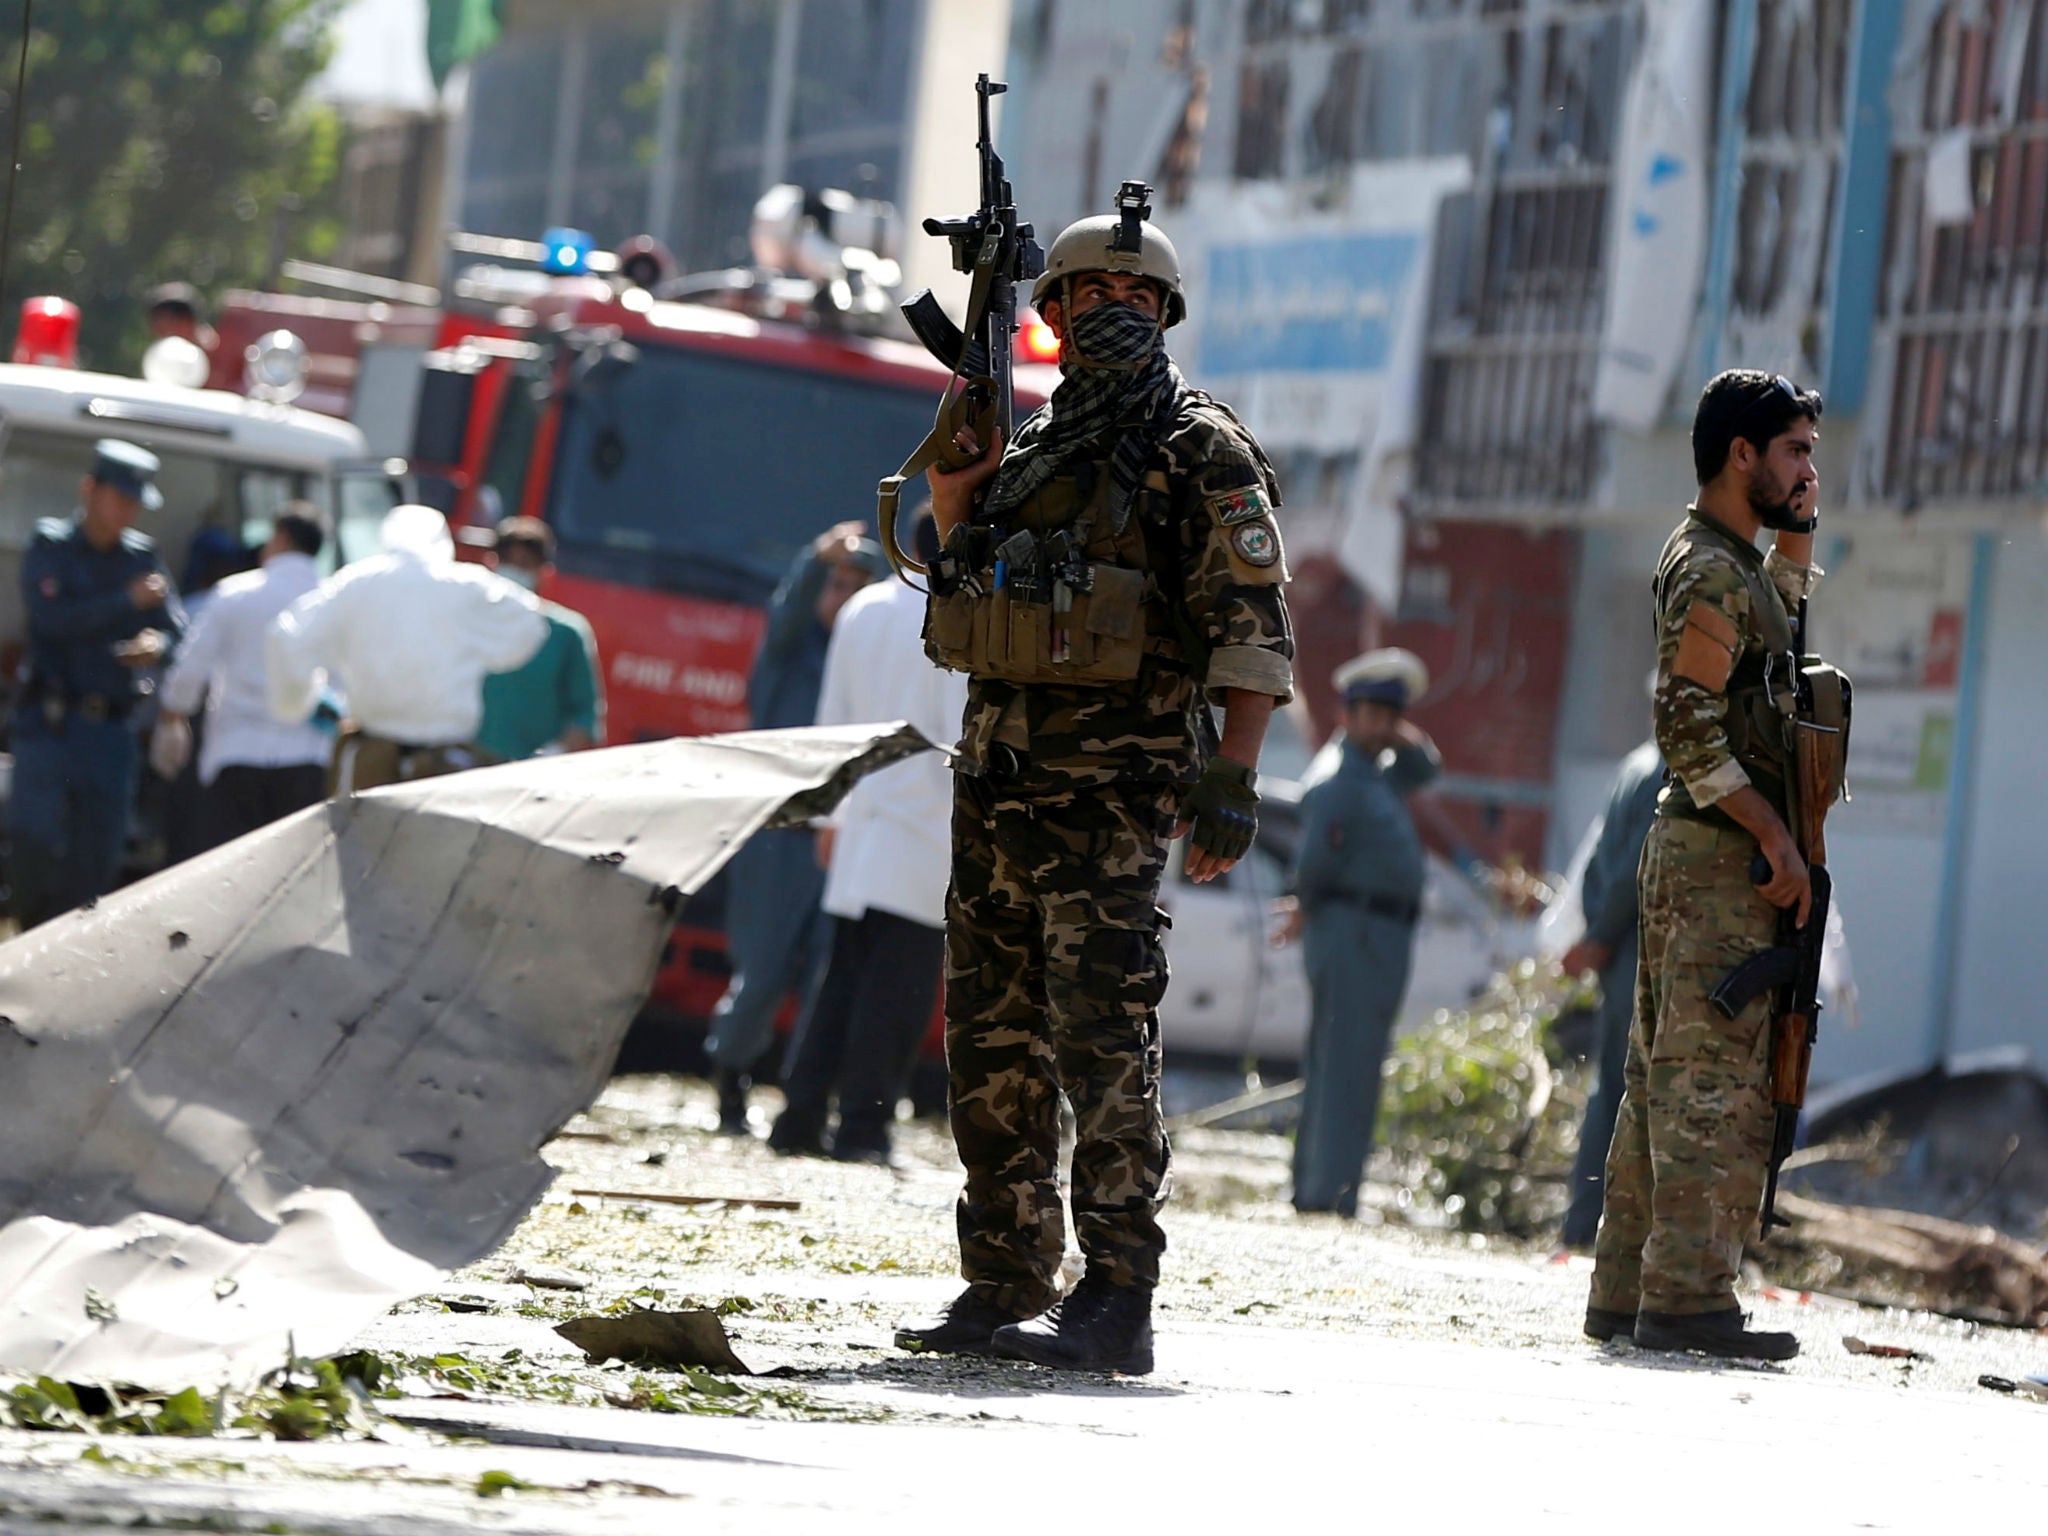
<point>28,15</point>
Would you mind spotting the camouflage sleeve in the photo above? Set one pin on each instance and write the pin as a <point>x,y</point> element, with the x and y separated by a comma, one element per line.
<point>1703,626</point>
<point>1233,569</point>
<point>1795,582</point>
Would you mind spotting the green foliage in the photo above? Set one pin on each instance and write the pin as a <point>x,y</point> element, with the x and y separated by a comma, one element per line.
<point>494,1484</point>
<point>305,1400</point>
<point>1478,1107</point>
<point>165,139</point>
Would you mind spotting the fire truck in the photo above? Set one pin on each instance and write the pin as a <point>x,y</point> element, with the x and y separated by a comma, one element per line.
<point>685,437</point>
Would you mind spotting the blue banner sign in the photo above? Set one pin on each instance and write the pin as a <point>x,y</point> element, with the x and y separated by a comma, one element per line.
<point>1325,304</point>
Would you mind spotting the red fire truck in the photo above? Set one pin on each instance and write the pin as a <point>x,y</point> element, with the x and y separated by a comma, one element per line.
<point>683,449</point>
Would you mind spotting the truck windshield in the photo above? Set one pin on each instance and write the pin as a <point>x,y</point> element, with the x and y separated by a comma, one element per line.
<point>724,467</point>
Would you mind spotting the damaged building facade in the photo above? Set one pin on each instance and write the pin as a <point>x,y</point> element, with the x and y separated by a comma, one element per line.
<point>671,117</point>
<point>1465,264</point>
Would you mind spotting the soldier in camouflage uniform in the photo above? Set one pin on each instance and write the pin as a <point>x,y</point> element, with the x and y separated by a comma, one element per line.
<point>1685,1173</point>
<point>1068,794</point>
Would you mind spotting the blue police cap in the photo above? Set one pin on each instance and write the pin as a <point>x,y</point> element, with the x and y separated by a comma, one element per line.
<point>1388,676</point>
<point>128,469</point>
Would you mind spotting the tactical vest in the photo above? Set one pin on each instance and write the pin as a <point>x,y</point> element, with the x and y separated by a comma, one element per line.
<point>1055,594</point>
<point>1773,692</point>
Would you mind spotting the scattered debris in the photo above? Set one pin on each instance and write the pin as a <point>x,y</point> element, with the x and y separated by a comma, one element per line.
<point>647,1337</point>
<point>2035,1387</point>
<point>1243,1104</point>
<point>494,1484</point>
<point>1966,1139</point>
<point>757,1202</point>
<point>335,1092</point>
<point>1857,1346</point>
<point>303,1400</point>
<point>1903,1258</point>
<point>550,1279</point>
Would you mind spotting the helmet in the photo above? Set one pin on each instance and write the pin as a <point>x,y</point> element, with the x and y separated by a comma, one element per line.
<point>1088,245</point>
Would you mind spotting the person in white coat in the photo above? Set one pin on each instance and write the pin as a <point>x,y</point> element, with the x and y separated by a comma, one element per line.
<point>253,769</point>
<point>887,853</point>
<point>409,636</point>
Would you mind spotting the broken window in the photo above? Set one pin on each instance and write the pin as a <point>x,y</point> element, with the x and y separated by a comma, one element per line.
<point>1520,265</point>
<point>1790,159</point>
<point>1965,413</point>
<point>1182,159</point>
<point>513,93</point>
<point>1333,127</point>
<point>1261,120</point>
<point>1528,89</point>
<point>624,71</point>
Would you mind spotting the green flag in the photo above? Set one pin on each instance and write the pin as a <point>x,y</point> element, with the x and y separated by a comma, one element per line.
<point>457,31</point>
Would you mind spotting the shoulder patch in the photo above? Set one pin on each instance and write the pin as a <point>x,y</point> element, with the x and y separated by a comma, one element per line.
<point>1256,544</point>
<point>1245,505</point>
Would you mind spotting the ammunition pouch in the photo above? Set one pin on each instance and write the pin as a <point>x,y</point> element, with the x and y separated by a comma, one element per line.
<point>1759,737</point>
<point>1043,600</point>
<point>1025,633</point>
<point>1790,732</point>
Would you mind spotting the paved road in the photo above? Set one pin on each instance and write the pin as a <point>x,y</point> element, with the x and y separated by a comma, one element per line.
<point>1243,1423</point>
<point>1307,1369</point>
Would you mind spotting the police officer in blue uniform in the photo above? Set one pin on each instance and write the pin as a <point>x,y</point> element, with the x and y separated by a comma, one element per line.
<point>1358,880</point>
<point>773,884</point>
<point>101,610</point>
<point>1608,899</point>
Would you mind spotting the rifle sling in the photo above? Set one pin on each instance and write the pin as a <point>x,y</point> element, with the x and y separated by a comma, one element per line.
<point>955,412</point>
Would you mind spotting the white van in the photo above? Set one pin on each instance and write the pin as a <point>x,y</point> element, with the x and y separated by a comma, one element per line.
<point>229,463</point>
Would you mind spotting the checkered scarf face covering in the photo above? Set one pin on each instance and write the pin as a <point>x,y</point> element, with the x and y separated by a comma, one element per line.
<point>1117,377</point>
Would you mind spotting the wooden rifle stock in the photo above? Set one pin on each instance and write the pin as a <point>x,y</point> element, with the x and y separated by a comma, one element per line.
<point>1816,778</point>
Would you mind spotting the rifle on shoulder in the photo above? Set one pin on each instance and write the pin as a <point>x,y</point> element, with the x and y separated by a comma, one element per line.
<point>1817,726</point>
<point>997,250</point>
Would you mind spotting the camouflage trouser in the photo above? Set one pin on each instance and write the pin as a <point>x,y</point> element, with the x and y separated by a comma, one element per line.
<point>1685,1173</point>
<point>1054,972</point>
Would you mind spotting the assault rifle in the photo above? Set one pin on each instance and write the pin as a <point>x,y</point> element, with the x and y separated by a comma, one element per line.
<point>1818,731</point>
<point>998,250</point>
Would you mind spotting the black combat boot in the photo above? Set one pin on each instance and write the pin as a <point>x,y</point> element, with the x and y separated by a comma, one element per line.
<point>1722,1334</point>
<point>1098,1326</point>
<point>798,1132</point>
<point>1603,1323</point>
<point>966,1327</point>
<point>732,1103</point>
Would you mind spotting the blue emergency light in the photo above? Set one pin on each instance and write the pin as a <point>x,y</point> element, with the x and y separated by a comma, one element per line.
<point>566,252</point>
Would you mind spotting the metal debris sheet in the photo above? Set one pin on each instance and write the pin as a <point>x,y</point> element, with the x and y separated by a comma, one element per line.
<point>248,1104</point>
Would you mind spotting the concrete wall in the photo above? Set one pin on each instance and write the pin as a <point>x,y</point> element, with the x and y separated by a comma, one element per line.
<point>2002,958</point>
